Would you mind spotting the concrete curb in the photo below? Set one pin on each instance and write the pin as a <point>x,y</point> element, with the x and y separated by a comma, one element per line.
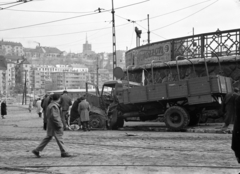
<point>190,130</point>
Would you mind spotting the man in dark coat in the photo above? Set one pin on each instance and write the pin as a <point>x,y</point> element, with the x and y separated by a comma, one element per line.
<point>44,104</point>
<point>229,108</point>
<point>54,128</point>
<point>65,103</point>
<point>3,109</point>
<point>83,110</point>
<point>236,130</point>
<point>74,110</point>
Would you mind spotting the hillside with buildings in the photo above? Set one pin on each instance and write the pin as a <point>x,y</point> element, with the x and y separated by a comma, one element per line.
<point>47,68</point>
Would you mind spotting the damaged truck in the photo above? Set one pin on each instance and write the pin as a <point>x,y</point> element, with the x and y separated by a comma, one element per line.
<point>181,102</point>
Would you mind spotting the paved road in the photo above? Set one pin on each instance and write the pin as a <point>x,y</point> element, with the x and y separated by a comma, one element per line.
<point>125,151</point>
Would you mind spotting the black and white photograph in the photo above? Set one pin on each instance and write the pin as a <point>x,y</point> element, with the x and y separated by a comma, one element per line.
<point>120,87</point>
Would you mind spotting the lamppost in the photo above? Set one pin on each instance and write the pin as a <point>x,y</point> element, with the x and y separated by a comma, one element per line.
<point>9,87</point>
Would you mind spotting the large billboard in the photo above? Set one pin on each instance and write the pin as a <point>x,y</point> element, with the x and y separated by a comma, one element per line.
<point>145,54</point>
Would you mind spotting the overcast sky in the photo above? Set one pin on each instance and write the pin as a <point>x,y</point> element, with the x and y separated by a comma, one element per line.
<point>168,19</point>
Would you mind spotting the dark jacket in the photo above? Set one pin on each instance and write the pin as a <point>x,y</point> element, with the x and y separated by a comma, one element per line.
<point>54,121</point>
<point>44,104</point>
<point>83,110</point>
<point>3,108</point>
<point>74,110</point>
<point>65,102</point>
<point>229,108</point>
<point>236,129</point>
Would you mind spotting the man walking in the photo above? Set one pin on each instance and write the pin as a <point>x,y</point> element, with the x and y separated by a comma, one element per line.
<point>236,130</point>
<point>44,105</point>
<point>54,128</point>
<point>83,109</point>
<point>229,108</point>
<point>65,104</point>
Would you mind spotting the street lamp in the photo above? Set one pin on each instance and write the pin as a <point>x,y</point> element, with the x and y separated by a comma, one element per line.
<point>9,87</point>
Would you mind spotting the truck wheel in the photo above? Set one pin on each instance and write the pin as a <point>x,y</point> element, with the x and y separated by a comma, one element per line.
<point>194,118</point>
<point>176,118</point>
<point>96,121</point>
<point>114,120</point>
<point>120,122</point>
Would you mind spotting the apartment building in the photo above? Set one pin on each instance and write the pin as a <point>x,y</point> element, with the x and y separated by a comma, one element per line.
<point>69,80</point>
<point>103,76</point>
<point>11,48</point>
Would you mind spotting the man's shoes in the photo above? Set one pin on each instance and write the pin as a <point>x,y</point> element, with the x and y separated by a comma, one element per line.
<point>36,153</point>
<point>66,155</point>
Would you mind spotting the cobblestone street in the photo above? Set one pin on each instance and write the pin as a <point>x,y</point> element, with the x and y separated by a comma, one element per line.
<point>101,151</point>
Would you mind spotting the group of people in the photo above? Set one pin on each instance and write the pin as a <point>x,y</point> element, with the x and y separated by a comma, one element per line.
<point>55,108</point>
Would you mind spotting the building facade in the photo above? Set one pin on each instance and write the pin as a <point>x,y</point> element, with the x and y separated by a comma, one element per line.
<point>11,48</point>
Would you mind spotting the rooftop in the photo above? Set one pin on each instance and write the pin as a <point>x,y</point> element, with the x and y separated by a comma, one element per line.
<point>13,44</point>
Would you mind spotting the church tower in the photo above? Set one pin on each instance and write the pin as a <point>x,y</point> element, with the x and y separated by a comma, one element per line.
<point>87,47</point>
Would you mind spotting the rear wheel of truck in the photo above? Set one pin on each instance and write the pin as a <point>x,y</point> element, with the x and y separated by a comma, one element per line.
<point>176,118</point>
<point>113,125</point>
<point>120,122</point>
<point>96,121</point>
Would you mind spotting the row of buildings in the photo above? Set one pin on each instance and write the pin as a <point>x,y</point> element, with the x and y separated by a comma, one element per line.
<point>42,78</point>
<point>31,66</point>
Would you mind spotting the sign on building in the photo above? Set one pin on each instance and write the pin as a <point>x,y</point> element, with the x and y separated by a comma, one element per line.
<point>145,54</point>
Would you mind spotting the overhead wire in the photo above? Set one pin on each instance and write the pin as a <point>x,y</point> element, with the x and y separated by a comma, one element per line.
<point>132,21</point>
<point>9,3</point>
<point>12,5</point>
<point>185,17</point>
<point>74,17</point>
<point>151,31</point>
<point>98,35</point>
<point>61,34</point>
<point>39,11</point>
<point>174,11</point>
<point>79,39</point>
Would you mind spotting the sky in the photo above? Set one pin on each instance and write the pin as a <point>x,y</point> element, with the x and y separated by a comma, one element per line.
<point>66,24</point>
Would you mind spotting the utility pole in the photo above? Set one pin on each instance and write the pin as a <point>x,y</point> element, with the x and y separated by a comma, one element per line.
<point>114,38</point>
<point>64,75</point>
<point>148,29</point>
<point>24,89</point>
<point>97,72</point>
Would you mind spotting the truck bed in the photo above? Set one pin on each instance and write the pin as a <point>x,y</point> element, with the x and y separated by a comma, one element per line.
<point>196,90</point>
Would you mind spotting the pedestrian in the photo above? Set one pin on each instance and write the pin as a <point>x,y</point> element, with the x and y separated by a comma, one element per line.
<point>74,115</point>
<point>54,128</point>
<point>3,109</point>
<point>44,104</point>
<point>39,108</point>
<point>30,105</point>
<point>83,109</point>
<point>228,108</point>
<point>236,130</point>
<point>65,103</point>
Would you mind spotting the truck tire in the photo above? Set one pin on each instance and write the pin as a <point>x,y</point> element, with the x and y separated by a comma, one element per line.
<point>176,118</point>
<point>120,122</point>
<point>194,118</point>
<point>96,121</point>
<point>114,120</point>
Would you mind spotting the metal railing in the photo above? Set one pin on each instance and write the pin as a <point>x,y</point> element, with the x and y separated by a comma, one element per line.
<point>219,43</point>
